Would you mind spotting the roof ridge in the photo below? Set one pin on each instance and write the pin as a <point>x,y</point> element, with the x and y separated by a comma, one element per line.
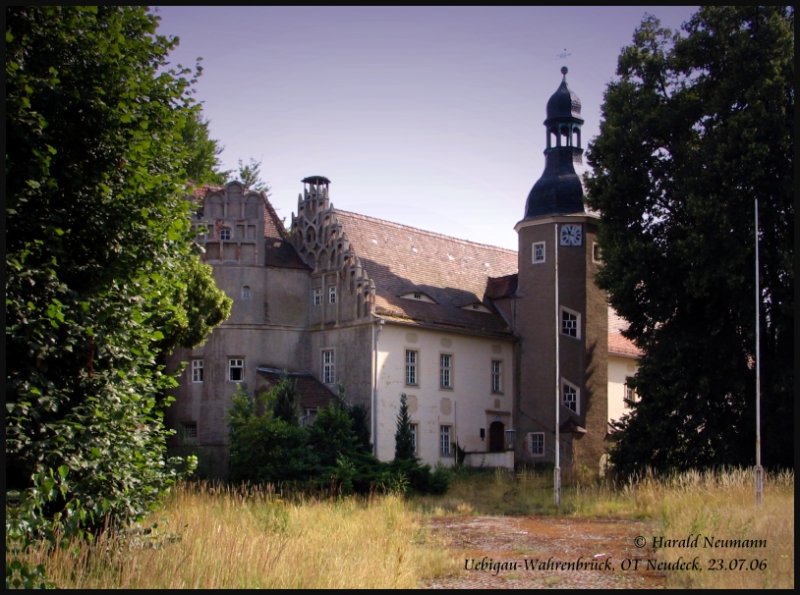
<point>425,231</point>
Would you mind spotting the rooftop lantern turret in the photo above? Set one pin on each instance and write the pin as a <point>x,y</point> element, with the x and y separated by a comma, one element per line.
<point>559,190</point>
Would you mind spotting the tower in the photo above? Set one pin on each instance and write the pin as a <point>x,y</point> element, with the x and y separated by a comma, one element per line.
<point>561,318</point>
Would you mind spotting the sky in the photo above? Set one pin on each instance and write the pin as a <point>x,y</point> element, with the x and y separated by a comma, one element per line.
<point>430,117</point>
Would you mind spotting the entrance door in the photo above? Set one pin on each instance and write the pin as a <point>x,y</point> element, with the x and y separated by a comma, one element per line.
<point>497,436</point>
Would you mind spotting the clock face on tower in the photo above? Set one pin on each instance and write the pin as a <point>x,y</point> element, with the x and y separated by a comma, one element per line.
<point>571,234</point>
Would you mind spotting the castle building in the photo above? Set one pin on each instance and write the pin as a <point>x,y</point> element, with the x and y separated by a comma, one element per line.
<point>489,345</point>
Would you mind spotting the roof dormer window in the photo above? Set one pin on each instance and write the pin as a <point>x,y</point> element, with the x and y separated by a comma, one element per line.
<point>419,297</point>
<point>477,307</point>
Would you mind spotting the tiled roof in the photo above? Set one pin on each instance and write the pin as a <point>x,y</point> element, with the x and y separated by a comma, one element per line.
<point>311,392</point>
<point>501,287</point>
<point>617,344</point>
<point>454,272</point>
<point>278,250</point>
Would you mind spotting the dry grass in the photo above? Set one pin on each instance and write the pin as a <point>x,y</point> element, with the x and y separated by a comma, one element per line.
<point>212,537</point>
<point>720,505</point>
<point>222,539</point>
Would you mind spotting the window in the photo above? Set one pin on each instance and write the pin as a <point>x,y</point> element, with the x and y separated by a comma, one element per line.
<point>197,370</point>
<point>189,432</point>
<point>245,292</point>
<point>235,370</point>
<point>316,298</point>
<point>537,252</point>
<point>411,367</point>
<point>225,234</point>
<point>630,396</point>
<point>497,376</point>
<point>445,377</point>
<point>328,366</point>
<point>331,294</point>
<point>444,441</point>
<point>536,441</point>
<point>570,396</point>
<point>570,323</point>
<point>597,253</point>
<point>414,436</point>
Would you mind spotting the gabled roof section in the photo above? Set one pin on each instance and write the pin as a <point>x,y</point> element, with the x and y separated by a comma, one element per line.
<point>311,392</point>
<point>617,343</point>
<point>453,272</point>
<point>502,287</point>
<point>278,250</point>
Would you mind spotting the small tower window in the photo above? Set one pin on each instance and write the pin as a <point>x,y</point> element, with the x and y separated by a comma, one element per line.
<point>570,323</point>
<point>570,394</point>
<point>538,252</point>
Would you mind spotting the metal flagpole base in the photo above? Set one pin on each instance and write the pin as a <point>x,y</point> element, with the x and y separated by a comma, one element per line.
<point>759,484</point>
<point>557,485</point>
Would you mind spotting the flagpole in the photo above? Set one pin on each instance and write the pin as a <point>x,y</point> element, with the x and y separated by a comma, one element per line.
<point>557,468</point>
<point>759,471</point>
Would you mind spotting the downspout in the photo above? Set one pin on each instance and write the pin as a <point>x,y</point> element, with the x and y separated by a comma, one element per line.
<point>376,329</point>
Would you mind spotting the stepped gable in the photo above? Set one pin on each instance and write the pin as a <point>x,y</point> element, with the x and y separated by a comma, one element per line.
<point>450,274</point>
<point>321,242</point>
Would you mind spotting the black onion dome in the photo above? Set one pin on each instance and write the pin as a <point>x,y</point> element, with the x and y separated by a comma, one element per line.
<point>559,191</point>
<point>563,103</point>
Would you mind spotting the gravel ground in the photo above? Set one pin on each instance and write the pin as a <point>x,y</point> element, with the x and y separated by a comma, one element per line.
<point>491,553</point>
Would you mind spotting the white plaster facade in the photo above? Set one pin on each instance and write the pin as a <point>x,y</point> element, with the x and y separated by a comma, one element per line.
<point>468,407</point>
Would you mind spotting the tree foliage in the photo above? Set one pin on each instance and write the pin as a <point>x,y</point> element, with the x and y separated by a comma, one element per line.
<point>403,438</point>
<point>694,128</point>
<point>203,164</point>
<point>101,279</point>
<point>250,175</point>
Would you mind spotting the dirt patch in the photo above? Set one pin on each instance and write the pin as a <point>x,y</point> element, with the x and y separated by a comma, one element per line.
<point>500,552</point>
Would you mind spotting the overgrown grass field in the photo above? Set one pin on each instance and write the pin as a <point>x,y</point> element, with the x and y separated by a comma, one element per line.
<point>212,536</point>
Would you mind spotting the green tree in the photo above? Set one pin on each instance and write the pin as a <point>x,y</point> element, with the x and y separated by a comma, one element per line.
<point>101,279</point>
<point>284,399</point>
<point>250,175</point>
<point>403,438</point>
<point>694,128</point>
<point>264,447</point>
<point>203,163</point>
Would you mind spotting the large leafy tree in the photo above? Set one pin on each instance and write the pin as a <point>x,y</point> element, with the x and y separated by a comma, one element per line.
<point>695,128</point>
<point>101,277</point>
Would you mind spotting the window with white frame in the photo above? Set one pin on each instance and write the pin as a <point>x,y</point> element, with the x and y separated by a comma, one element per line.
<point>570,323</point>
<point>331,294</point>
<point>445,446</point>
<point>537,252</point>
<point>536,442</point>
<point>245,292</point>
<point>235,369</point>
<point>316,296</point>
<point>413,427</point>
<point>445,370</point>
<point>328,366</point>
<point>225,234</point>
<point>411,367</point>
<point>570,396</point>
<point>497,376</point>
<point>197,370</point>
